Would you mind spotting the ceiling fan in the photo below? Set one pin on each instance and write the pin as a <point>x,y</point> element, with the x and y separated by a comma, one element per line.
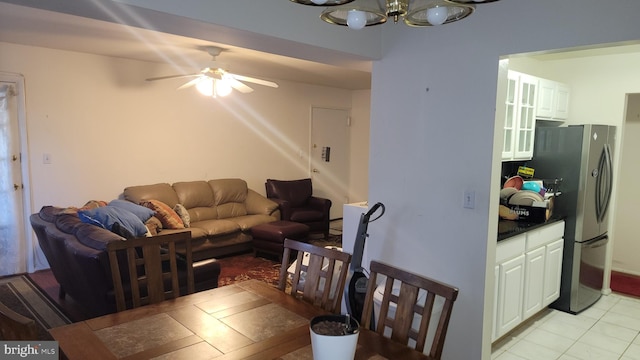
<point>216,81</point>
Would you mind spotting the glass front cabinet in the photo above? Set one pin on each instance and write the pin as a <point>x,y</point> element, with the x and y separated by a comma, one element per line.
<point>520,116</point>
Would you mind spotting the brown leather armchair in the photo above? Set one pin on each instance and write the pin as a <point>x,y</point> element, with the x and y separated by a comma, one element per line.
<point>297,203</point>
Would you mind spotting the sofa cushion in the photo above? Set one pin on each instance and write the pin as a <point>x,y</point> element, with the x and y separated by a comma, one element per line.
<point>166,215</point>
<point>229,190</point>
<point>183,213</point>
<point>49,213</point>
<point>67,223</point>
<point>108,215</point>
<point>217,227</point>
<point>142,212</point>
<point>231,210</point>
<point>95,237</point>
<point>230,196</point>
<point>162,192</point>
<point>194,194</point>
<point>248,221</point>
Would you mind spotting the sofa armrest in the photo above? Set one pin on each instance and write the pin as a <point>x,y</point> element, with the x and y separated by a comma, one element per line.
<point>285,209</point>
<point>320,203</point>
<point>258,204</point>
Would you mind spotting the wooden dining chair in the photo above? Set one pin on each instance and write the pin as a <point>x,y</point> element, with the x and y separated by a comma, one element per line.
<point>407,306</point>
<point>313,279</point>
<point>16,327</point>
<point>152,266</point>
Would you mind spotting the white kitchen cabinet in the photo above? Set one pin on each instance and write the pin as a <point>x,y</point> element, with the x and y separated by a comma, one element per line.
<point>553,100</point>
<point>510,277</point>
<point>510,290</point>
<point>553,271</point>
<point>520,116</point>
<point>534,281</point>
<point>528,270</point>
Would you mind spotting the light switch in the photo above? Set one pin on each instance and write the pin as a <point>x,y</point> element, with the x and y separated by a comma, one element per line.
<point>469,201</point>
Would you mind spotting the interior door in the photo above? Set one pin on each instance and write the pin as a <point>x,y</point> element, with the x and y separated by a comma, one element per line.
<point>329,160</point>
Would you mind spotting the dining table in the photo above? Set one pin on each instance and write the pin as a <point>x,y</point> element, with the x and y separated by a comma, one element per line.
<point>246,320</point>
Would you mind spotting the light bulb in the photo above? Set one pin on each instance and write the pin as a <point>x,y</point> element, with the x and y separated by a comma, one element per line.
<point>205,86</point>
<point>222,87</point>
<point>437,15</point>
<point>356,19</point>
<point>319,2</point>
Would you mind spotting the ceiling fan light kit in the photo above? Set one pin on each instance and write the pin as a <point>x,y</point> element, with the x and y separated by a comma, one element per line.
<point>215,81</point>
<point>357,14</point>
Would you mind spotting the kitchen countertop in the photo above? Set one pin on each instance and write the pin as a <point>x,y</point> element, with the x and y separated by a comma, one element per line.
<point>509,228</point>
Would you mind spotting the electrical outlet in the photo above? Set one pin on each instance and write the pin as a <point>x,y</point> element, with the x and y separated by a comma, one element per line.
<point>469,201</point>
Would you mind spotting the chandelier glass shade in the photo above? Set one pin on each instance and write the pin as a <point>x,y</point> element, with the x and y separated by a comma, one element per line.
<point>357,14</point>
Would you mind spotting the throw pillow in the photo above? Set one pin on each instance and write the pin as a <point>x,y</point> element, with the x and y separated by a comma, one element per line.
<point>107,216</point>
<point>168,217</point>
<point>142,212</point>
<point>183,213</point>
<point>154,225</point>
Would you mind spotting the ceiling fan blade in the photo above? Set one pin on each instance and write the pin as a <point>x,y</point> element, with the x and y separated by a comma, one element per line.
<point>254,80</point>
<point>238,85</point>
<point>171,77</point>
<point>190,83</point>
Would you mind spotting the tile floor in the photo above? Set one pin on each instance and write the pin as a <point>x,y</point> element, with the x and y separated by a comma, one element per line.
<point>607,330</point>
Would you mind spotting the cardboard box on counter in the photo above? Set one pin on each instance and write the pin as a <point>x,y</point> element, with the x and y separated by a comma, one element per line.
<point>539,212</point>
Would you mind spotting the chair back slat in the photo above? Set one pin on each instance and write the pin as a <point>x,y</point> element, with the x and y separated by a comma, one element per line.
<point>407,306</point>
<point>318,281</point>
<point>152,264</point>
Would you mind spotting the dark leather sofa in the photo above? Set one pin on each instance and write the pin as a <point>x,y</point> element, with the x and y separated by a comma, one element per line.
<point>77,255</point>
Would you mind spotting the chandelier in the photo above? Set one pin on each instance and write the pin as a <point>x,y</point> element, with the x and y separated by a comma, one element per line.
<point>356,14</point>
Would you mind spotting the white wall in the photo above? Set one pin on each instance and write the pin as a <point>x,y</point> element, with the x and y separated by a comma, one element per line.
<point>433,145</point>
<point>106,128</point>
<point>359,143</point>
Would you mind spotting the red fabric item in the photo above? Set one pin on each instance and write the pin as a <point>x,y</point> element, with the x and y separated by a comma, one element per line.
<point>625,283</point>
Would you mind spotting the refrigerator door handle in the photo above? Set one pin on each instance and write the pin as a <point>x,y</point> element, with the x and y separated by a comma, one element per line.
<point>608,179</point>
<point>604,183</point>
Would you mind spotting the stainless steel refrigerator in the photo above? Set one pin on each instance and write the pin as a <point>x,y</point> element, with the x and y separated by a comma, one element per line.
<point>582,156</point>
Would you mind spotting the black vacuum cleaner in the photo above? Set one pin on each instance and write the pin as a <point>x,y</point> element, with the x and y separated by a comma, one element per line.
<point>356,285</point>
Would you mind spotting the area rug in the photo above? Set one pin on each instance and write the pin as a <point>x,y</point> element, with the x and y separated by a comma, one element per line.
<point>246,266</point>
<point>22,296</point>
<point>625,283</point>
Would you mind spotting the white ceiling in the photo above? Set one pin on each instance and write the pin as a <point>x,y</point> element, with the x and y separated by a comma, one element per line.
<point>30,26</point>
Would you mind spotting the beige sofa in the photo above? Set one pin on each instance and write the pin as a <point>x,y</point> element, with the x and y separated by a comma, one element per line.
<point>221,212</point>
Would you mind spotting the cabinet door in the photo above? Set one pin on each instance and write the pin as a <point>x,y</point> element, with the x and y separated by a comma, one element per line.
<point>510,291</point>
<point>526,117</point>
<point>510,122</point>
<point>546,98</point>
<point>553,271</point>
<point>533,281</point>
<point>561,109</point>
